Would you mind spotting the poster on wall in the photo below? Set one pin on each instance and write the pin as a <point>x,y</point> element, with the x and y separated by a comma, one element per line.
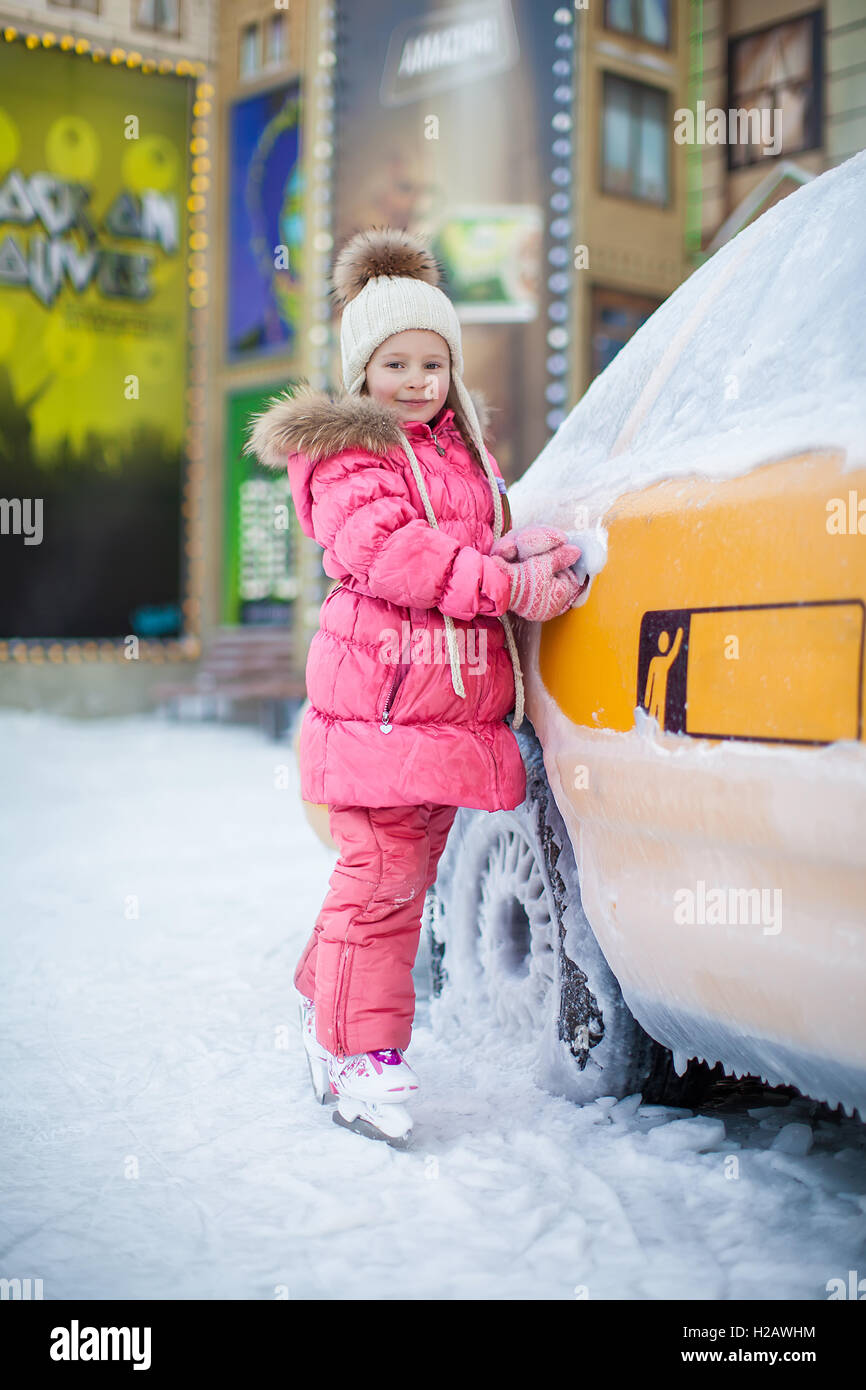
<point>93,346</point>
<point>265,224</point>
<point>490,257</point>
<point>260,551</point>
<point>454,123</point>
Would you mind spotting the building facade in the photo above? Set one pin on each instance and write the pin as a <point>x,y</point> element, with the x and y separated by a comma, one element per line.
<point>805,64</point>
<point>565,163</point>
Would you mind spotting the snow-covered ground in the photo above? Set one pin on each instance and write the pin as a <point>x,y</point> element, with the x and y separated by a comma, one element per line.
<point>159,1139</point>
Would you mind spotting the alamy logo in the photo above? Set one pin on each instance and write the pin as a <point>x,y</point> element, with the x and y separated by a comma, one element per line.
<point>421,647</point>
<point>22,516</point>
<point>76,1343</point>
<point>735,906</point>
<point>855,1288</point>
<point>742,125</point>
<point>21,1288</point>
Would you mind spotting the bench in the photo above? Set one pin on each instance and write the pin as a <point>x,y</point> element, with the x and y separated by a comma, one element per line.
<point>239,666</point>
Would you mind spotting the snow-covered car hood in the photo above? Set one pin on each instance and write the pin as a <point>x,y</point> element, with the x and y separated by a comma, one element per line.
<point>760,354</point>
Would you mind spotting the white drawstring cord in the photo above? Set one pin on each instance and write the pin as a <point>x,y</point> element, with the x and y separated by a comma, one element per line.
<point>450,633</point>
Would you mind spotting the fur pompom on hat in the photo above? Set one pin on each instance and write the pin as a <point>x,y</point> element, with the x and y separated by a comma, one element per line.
<point>380,251</point>
<point>385,281</point>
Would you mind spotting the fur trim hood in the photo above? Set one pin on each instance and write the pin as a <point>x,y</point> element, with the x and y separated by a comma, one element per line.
<point>317,425</point>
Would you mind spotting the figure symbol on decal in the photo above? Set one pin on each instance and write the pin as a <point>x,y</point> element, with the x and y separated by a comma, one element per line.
<point>655,694</point>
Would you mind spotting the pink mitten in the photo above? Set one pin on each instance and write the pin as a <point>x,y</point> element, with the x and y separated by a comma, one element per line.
<point>531,540</point>
<point>542,586</point>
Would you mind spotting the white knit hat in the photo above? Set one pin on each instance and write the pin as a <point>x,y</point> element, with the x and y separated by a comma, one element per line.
<point>390,304</point>
<point>385,282</point>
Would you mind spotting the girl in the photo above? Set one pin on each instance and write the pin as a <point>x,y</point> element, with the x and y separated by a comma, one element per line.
<point>414,666</point>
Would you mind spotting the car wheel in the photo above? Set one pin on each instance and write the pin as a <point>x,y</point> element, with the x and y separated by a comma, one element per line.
<point>511,951</point>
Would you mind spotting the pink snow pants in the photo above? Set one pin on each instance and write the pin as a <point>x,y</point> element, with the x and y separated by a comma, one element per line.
<point>357,964</point>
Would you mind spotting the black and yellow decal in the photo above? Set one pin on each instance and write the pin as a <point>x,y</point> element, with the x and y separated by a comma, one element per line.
<point>755,671</point>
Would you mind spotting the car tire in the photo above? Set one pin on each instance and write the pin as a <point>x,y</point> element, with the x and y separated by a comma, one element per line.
<point>511,951</point>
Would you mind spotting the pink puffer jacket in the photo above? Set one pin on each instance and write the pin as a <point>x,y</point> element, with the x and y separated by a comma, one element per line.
<point>384,726</point>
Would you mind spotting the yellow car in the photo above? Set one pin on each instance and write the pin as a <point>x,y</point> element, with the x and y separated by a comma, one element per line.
<point>687,876</point>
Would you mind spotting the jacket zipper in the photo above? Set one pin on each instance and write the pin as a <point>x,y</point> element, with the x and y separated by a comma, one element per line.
<point>439,448</point>
<point>386,726</point>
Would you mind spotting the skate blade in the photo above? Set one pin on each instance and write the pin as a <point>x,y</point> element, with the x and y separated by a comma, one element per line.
<point>361,1126</point>
<point>319,1081</point>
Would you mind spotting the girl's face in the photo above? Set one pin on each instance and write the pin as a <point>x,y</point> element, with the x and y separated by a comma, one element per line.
<point>411,372</point>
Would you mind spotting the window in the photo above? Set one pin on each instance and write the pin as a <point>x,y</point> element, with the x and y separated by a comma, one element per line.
<point>615,317</point>
<point>249,50</point>
<point>161,15</point>
<point>277,40</point>
<point>634,140</point>
<point>645,19</point>
<point>777,70</point>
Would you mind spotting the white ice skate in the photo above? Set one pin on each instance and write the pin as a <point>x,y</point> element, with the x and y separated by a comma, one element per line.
<point>372,1089</point>
<point>317,1055</point>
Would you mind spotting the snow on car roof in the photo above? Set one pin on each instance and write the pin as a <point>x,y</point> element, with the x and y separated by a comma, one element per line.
<point>761,353</point>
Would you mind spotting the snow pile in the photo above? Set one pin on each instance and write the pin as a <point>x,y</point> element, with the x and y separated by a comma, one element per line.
<point>793,1139</point>
<point>695,1135</point>
<point>760,354</point>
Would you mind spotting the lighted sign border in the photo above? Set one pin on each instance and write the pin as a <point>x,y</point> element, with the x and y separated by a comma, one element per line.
<point>38,652</point>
